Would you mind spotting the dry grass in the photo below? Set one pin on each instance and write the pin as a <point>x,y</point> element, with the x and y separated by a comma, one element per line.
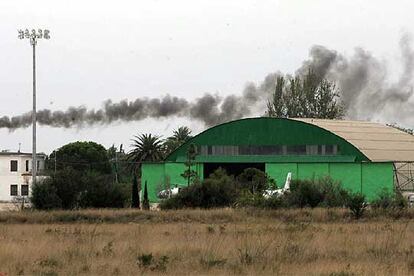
<point>221,242</point>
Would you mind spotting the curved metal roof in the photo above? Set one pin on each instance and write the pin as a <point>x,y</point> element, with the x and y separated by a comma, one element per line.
<point>376,141</point>
<point>268,131</point>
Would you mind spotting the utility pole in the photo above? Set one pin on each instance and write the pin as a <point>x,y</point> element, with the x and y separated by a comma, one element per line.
<point>116,165</point>
<point>33,36</point>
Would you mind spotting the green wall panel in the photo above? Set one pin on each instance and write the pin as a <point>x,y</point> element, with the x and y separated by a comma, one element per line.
<point>312,170</point>
<point>348,174</point>
<point>173,172</point>
<point>370,177</point>
<point>200,170</point>
<point>375,177</point>
<point>279,171</point>
<point>153,174</point>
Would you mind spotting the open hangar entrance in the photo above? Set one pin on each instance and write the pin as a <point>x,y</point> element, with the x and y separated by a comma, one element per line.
<point>234,169</point>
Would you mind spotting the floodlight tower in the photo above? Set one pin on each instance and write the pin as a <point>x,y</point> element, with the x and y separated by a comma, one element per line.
<point>33,36</point>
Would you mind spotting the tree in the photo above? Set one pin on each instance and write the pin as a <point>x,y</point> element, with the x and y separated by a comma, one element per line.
<point>71,189</point>
<point>254,180</point>
<point>135,193</point>
<point>99,191</point>
<point>146,147</point>
<point>82,157</point>
<point>179,137</point>
<point>356,204</point>
<point>308,96</point>
<point>145,202</point>
<point>189,173</point>
<point>182,134</point>
<point>44,196</point>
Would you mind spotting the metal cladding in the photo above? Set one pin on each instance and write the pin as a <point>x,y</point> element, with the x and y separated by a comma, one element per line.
<point>376,141</point>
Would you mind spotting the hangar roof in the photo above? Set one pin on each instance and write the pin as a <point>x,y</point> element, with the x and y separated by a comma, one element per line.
<point>376,141</point>
<point>260,132</point>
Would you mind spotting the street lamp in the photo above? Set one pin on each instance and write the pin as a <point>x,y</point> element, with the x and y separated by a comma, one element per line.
<point>33,36</point>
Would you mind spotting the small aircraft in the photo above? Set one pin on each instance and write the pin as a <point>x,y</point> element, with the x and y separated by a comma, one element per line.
<point>279,192</point>
<point>167,193</point>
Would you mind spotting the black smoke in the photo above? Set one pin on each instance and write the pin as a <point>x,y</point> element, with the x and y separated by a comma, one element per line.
<point>363,81</point>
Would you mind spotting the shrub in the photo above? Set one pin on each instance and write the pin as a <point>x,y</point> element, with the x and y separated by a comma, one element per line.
<point>253,180</point>
<point>149,261</point>
<point>389,200</point>
<point>44,196</point>
<point>356,204</point>
<point>333,193</point>
<point>383,201</point>
<point>324,192</point>
<point>145,201</point>
<point>247,199</point>
<point>99,192</point>
<point>304,193</point>
<point>67,183</point>
<point>68,189</point>
<point>219,190</point>
<point>135,193</point>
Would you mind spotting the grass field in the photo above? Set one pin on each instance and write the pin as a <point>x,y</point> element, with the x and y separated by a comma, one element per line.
<point>191,242</point>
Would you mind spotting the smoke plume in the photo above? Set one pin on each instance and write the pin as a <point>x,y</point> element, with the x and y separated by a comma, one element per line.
<point>362,79</point>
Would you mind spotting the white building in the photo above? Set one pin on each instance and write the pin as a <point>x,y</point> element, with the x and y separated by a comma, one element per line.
<point>16,174</point>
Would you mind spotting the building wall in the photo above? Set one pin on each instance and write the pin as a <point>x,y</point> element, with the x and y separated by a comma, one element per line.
<point>160,175</point>
<point>368,178</point>
<point>19,178</point>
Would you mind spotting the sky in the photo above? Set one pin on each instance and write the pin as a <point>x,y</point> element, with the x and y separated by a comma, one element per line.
<point>117,50</point>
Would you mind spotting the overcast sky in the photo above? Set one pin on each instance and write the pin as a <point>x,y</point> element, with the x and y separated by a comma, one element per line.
<point>118,50</point>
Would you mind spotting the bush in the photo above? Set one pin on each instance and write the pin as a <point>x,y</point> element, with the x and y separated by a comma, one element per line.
<point>248,199</point>
<point>69,189</point>
<point>253,180</point>
<point>389,200</point>
<point>219,190</point>
<point>304,193</point>
<point>44,196</point>
<point>99,192</point>
<point>323,192</point>
<point>333,193</point>
<point>67,183</point>
<point>356,204</point>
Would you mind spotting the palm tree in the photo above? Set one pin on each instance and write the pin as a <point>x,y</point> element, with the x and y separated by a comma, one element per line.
<point>179,137</point>
<point>182,134</point>
<point>146,147</point>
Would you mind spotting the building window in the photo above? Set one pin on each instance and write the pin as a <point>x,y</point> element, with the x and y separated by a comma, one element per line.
<point>25,190</point>
<point>13,190</point>
<point>27,165</point>
<point>13,165</point>
<point>269,150</point>
<point>329,149</point>
<point>296,150</point>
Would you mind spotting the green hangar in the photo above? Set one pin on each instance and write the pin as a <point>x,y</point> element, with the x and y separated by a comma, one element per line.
<point>364,156</point>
